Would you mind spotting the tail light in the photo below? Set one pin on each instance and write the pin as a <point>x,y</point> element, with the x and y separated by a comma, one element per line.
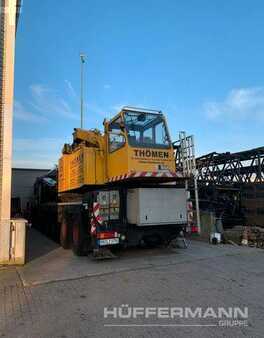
<point>107,234</point>
<point>194,229</point>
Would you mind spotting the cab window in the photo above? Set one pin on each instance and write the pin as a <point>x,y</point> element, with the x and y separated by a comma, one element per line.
<point>116,138</point>
<point>146,130</point>
<point>116,141</point>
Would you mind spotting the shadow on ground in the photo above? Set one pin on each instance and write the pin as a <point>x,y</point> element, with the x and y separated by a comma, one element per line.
<point>38,245</point>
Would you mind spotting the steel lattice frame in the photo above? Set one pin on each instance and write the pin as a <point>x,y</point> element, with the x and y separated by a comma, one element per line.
<point>230,168</point>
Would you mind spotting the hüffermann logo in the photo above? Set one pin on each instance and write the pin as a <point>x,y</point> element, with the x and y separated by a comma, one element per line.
<point>209,316</point>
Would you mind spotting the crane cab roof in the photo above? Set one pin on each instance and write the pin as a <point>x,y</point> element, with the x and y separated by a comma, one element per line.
<point>133,110</point>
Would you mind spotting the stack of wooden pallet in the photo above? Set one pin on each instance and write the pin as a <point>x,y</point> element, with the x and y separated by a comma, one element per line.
<point>253,236</point>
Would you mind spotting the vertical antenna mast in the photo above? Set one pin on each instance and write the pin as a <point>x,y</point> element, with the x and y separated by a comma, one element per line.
<point>82,58</point>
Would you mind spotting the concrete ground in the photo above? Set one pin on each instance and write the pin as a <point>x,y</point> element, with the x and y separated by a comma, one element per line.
<point>59,295</point>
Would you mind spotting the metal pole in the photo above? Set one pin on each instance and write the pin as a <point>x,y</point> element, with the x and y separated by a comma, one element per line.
<point>82,57</point>
<point>196,192</point>
<point>198,219</point>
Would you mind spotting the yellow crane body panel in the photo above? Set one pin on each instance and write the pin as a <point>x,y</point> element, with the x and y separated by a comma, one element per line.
<point>84,166</point>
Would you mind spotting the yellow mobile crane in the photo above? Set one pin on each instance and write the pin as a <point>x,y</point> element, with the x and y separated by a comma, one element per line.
<point>121,187</point>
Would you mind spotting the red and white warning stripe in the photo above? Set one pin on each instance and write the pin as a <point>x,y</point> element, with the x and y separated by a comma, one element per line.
<point>93,226</point>
<point>96,218</point>
<point>137,174</point>
<point>190,211</point>
<point>191,227</point>
<point>96,212</point>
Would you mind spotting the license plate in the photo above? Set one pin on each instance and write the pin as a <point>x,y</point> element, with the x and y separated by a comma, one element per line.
<point>109,241</point>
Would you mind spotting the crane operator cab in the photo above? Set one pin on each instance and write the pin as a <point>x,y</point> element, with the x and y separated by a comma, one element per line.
<point>138,145</point>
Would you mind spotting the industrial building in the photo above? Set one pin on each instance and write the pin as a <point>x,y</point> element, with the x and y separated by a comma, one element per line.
<point>23,180</point>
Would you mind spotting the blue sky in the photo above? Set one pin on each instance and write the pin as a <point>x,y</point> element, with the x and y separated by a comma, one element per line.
<point>201,62</point>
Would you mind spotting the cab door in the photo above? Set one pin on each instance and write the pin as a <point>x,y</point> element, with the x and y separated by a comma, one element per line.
<point>117,149</point>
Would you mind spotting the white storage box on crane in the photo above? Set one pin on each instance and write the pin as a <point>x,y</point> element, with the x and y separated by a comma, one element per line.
<point>157,206</point>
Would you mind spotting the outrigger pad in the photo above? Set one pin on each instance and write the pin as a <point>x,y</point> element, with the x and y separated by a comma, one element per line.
<point>103,253</point>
